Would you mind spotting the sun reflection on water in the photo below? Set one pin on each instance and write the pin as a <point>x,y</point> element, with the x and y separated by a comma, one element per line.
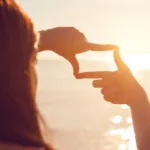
<point>127,136</point>
<point>122,147</point>
<point>117,119</point>
<point>125,106</point>
<point>129,120</point>
<point>124,135</point>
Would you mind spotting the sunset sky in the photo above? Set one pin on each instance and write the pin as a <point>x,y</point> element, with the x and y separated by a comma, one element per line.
<point>122,22</point>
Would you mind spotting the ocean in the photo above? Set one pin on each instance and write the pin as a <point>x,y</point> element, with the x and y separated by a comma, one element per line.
<point>77,115</point>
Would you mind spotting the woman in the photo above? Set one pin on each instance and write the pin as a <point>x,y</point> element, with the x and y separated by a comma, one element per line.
<point>120,87</point>
<point>19,116</point>
<point>18,111</point>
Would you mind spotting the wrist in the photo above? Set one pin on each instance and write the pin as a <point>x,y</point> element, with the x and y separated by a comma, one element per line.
<point>44,41</point>
<point>139,99</point>
<point>40,41</point>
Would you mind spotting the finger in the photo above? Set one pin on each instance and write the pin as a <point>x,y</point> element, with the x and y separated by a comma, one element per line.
<point>91,75</point>
<point>113,90</point>
<point>117,100</point>
<point>110,98</point>
<point>74,62</point>
<point>119,62</point>
<point>101,47</point>
<point>103,83</point>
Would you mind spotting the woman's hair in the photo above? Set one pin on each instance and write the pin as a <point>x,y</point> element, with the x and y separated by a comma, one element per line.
<point>19,116</point>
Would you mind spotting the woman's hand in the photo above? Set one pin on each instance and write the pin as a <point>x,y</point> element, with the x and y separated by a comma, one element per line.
<point>67,42</point>
<point>118,87</point>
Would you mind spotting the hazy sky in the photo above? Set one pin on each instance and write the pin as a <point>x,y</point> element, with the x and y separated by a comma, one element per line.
<point>123,22</point>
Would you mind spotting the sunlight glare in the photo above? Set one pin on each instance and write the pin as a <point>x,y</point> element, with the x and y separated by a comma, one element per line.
<point>117,119</point>
<point>131,144</point>
<point>116,132</point>
<point>122,147</point>
<point>128,137</point>
<point>129,120</point>
<point>137,61</point>
<point>124,106</point>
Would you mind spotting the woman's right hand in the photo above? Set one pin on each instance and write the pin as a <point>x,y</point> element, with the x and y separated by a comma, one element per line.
<point>118,87</point>
<point>68,42</point>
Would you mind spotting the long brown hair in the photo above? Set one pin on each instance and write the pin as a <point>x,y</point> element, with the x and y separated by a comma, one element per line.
<point>19,116</point>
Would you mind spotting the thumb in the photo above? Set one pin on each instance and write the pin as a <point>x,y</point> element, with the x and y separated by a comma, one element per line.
<point>119,62</point>
<point>74,62</point>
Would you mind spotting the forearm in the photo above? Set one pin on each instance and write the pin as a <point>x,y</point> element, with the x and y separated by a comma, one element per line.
<point>141,121</point>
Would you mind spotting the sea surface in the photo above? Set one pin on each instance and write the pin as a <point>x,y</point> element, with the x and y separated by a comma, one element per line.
<point>77,115</point>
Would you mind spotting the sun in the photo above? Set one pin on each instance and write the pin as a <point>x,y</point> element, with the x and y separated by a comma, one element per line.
<point>133,50</point>
<point>137,61</point>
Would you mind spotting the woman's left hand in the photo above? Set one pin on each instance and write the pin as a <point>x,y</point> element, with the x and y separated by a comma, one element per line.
<point>118,87</point>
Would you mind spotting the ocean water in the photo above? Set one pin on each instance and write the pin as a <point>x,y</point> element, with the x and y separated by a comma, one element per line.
<point>77,115</point>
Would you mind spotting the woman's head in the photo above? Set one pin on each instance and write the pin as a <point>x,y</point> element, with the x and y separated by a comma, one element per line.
<point>18,111</point>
